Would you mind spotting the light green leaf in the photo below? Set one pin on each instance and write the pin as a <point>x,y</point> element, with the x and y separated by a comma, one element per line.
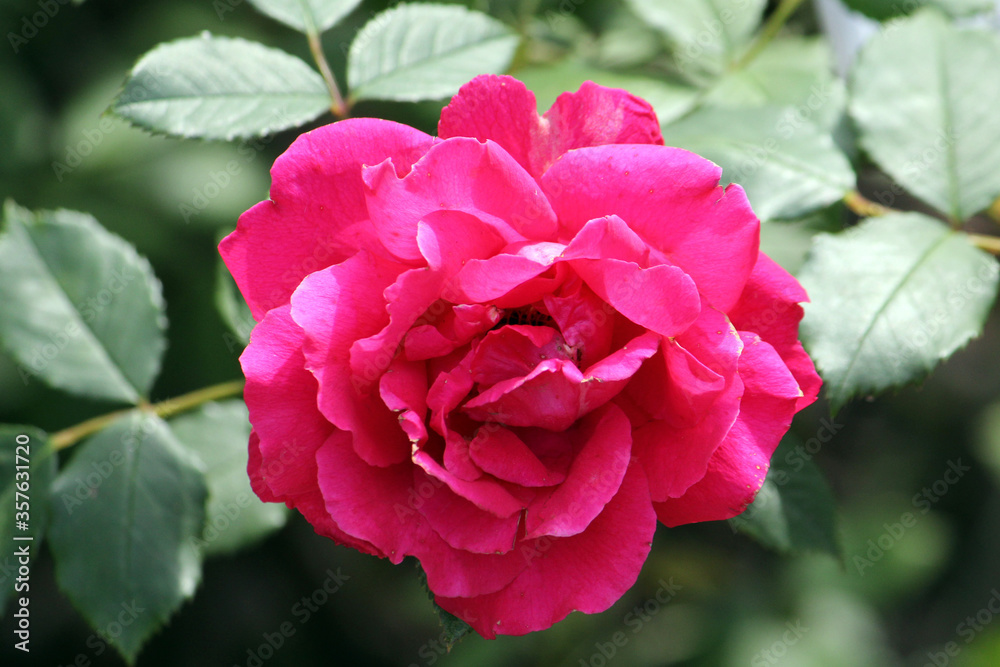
<point>796,72</point>
<point>79,307</point>
<point>787,165</point>
<point>27,467</point>
<point>886,9</point>
<point>300,14</point>
<point>426,51</point>
<point>220,88</point>
<point>794,510</point>
<point>926,109</point>
<point>218,434</point>
<point>669,100</point>
<point>126,513</point>
<point>706,36</point>
<point>891,298</point>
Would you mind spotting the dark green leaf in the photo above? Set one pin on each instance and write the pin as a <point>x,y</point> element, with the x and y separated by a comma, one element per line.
<point>927,111</point>
<point>426,51</point>
<point>35,480</point>
<point>79,307</point>
<point>706,37</point>
<point>794,510</point>
<point>891,298</point>
<point>127,512</point>
<point>232,307</point>
<point>217,434</point>
<point>220,88</point>
<point>787,165</point>
<point>453,628</point>
<point>887,9</point>
<point>300,14</point>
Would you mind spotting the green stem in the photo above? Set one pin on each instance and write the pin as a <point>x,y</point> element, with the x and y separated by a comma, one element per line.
<point>774,24</point>
<point>168,408</point>
<point>865,207</point>
<point>987,243</point>
<point>338,107</point>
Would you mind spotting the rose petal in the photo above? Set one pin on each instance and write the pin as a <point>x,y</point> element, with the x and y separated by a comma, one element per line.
<point>769,307</point>
<point>335,307</point>
<point>465,526</point>
<point>587,572</point>
<point>593,479</point>
<point>502,109</point>
<point>585,320</point>
<point>675,452</point>
<point>316,216</point>
<point>379,505</point>
<point>738,467</point>
<point>457,174</point>
<point>499,452</point>
<point>671,199</point>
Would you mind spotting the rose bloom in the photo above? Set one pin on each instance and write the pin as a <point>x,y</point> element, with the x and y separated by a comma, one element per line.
<point>509,350</point>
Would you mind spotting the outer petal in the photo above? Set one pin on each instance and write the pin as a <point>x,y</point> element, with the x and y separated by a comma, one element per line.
<point>281,396</point>
<point>587,572</point>
<point>502,109</point>
<point>670,198</point>
<point>336,307</point>
<point>769,307</point>
<point>738,467</point>
<point>316,216</point>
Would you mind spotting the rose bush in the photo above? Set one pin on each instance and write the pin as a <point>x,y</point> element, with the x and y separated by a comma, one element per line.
<point>508,350</point>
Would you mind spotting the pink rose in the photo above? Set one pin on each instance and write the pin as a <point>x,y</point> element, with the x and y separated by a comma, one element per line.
<point>507,351</point>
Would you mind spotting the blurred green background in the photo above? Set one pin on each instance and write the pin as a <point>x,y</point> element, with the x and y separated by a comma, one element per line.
<point>898,597</point>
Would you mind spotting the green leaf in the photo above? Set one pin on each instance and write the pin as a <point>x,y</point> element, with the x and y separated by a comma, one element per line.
<point>79,307</point>
<point>887,9</point>
<point>927,111</point>
<point>426,51</point>
<point>787,165</point>
<point>891,298</point>
<point>669,100</point>
<point>794,510</point>
<point>34,472</point>
<point>218,433</point>
<point>706,37</point>
<point>126,514</point>
<point>301,14</point>
<point>220,88</point>
<point>232,307</point>
<point>453,628</point>
<point>792,71</point>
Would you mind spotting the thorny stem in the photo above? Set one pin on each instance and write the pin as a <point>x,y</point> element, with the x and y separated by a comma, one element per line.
<point>168,408</point>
